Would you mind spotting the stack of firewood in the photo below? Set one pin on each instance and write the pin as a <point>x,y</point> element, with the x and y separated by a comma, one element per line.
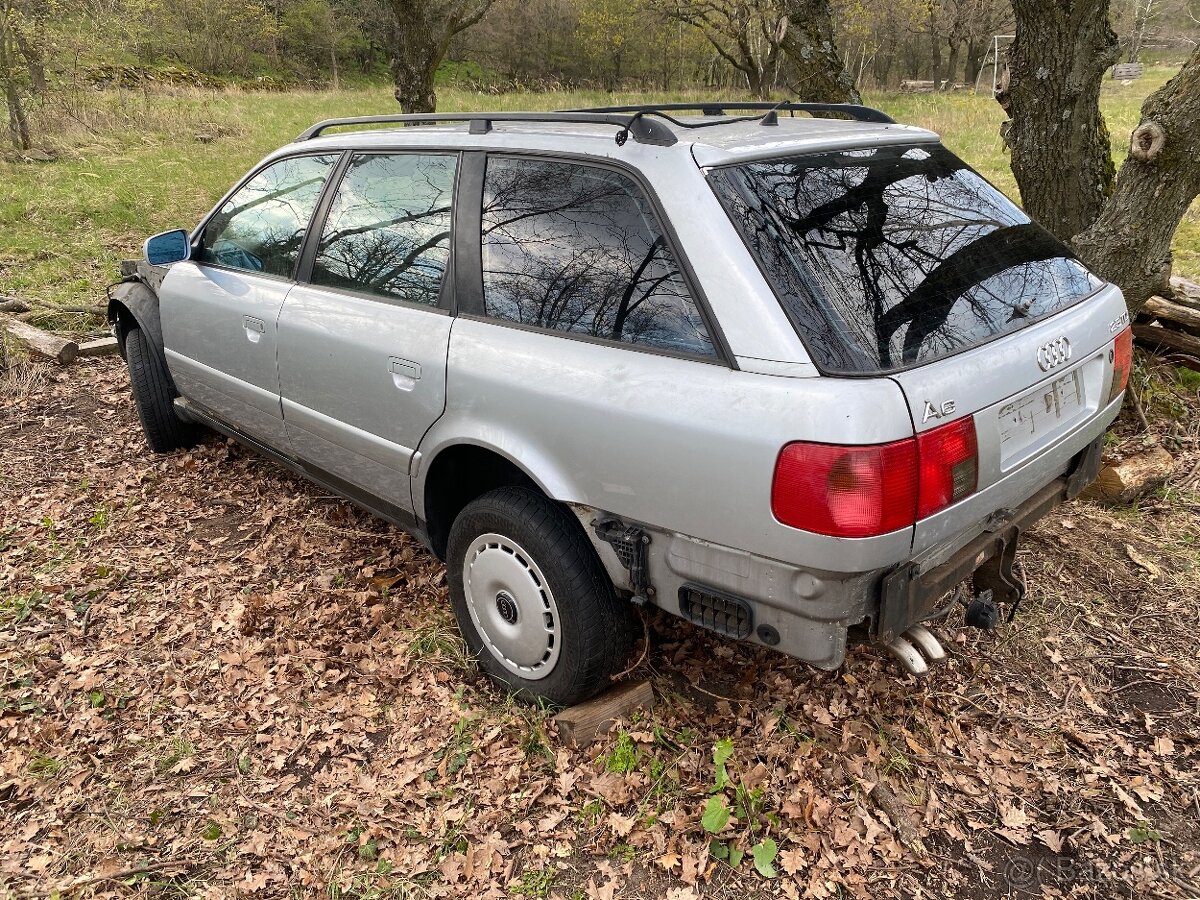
<point>1171,328</point>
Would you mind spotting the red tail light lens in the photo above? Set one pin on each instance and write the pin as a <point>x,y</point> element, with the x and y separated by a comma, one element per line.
<point>861,491</point>
<point>846,491</point>
<point>1122,363</point>
<point>949,465</point>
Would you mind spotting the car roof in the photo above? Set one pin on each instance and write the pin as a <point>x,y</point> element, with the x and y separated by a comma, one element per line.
<point>711,140</point>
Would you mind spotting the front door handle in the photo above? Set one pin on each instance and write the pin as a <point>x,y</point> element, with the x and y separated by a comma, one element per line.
<point>405,373</point>
<point>255,328</point>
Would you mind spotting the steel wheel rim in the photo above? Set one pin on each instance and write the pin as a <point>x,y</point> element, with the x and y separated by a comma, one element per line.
<point>511,606</point>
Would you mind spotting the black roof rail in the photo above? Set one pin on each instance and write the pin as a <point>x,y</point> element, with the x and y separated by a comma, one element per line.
<point>722,107</point>
<point>642,129</point>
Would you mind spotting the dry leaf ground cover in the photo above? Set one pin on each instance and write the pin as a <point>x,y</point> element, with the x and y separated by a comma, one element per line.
<point>216,681</point>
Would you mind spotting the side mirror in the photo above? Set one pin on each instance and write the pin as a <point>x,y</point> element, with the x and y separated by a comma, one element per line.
<point>168,247</point>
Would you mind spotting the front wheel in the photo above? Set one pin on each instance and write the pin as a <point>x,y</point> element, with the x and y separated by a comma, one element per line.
<point>533,601</point>
<point>154,395</point>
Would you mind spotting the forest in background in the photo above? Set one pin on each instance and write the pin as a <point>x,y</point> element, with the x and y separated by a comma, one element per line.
<point>534,45</point>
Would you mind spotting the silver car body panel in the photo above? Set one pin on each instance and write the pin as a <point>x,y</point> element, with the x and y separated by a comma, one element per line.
<point>219,336</point>
<point>685,449</point>
<point>362,379</point>
<point>686,446</point>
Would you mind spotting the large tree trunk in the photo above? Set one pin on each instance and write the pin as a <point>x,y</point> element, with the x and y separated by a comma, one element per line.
<point>935,48</point>
<point>975,51</point>
<point>415,56</point>
<point>1130,243</point>
<point>1061,155</point>
<point>809,44</point>
<point>421,34</point>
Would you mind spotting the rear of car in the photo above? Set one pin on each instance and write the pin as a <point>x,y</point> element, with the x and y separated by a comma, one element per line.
<point>902,263</point>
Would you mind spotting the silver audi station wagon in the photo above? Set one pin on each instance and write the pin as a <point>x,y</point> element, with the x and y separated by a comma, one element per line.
<point>794,373</point>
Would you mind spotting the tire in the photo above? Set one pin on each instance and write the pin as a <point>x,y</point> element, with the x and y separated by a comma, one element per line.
<point>533,601</point>
<point>154,396</point>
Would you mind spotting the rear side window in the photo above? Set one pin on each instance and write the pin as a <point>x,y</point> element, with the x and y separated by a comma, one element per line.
<point>261,227</point>
<point>388,229</point>
<point>893,257</point>
<point>578,248</point>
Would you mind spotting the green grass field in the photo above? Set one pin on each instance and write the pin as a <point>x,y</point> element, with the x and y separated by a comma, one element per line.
<point>130,165</point>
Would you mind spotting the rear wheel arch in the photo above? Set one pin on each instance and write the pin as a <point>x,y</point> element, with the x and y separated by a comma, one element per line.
<point>459,474</point>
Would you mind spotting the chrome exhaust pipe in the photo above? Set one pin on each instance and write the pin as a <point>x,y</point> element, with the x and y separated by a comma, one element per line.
<point>917,649</point>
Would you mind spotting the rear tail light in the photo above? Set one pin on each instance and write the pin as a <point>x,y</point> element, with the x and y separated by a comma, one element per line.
<point>1122,363</point>
<point>846,491</point>
<point>949,465</point>
<point>863,491</point>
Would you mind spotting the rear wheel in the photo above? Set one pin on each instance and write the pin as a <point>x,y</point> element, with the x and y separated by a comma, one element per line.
<point>154,395</point>
<point>532,600</point>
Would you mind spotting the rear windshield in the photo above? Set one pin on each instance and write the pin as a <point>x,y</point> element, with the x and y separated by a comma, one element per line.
<point>893,257</point>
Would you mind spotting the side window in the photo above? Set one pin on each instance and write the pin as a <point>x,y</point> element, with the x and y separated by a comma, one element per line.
<point>261,227</point>
<point>577,248</point>
<point>388,229</point>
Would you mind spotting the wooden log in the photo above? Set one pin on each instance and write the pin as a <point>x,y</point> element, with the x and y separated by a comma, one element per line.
<point>1169,313</point>
<point>1166,342</point>
<point>42,343</point>
<point>13,305</point>
<point>1185,292</point>
<point>1132,477</point>
<point>582,724</point>
<point>105,346</point>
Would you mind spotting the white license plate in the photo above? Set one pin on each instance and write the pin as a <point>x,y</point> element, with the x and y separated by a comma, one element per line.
<point>1039,412</point>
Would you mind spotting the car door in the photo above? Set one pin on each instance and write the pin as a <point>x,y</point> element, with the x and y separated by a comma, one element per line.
<point>219,309</point>
<point>362,344</point>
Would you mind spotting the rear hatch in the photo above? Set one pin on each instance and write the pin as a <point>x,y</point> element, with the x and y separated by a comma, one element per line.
<point>903,262</point>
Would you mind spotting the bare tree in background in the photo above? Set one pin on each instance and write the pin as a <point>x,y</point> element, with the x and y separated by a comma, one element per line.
<point>421,31</point>
<point>747,34</point>
<point>819,75</point>
<point>10,68</point>
<point>757,36</point>
<point>1061,155</point>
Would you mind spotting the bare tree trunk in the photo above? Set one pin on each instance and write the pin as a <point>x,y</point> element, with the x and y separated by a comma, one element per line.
<point>421,34</point>
<point>952,65</point>
<point>333,42</point>
<point>811,48</point>
<point>935,48</point>
<point>975,50</point>
<point>1061,155</point>
<point>18,124</point>
<point>1130,243</point>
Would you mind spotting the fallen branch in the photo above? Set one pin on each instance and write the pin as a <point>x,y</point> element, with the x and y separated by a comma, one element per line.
<point>149,869</point>
<point>40,342</point>
<point>897,810</point>
<point>22,305</point>
<point>1159,339</point>
<point>1173,314</point>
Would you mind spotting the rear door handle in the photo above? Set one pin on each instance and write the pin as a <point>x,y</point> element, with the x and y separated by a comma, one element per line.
<point>405,373</point>
<point>255,328</point>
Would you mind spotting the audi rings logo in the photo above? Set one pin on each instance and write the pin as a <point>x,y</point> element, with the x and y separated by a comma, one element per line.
<point>1053,354</point>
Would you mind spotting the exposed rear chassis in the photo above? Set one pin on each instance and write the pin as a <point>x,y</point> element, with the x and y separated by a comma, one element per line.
<point>908,596</point>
